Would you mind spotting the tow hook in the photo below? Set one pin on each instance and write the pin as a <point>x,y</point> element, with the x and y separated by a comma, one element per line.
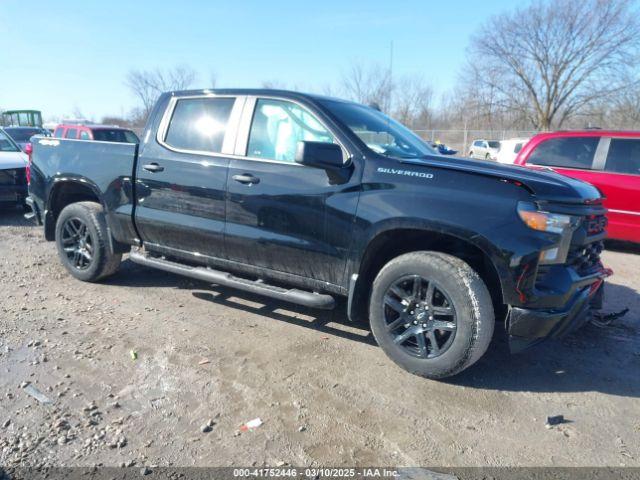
<point>597,317</point>
<point>605,320</point>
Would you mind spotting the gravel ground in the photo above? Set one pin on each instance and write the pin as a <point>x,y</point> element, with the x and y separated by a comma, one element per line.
<point>150,368</point>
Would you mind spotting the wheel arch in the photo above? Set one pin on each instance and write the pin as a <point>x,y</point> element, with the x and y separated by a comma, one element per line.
<point>389,243</point>
<point>63,192</point>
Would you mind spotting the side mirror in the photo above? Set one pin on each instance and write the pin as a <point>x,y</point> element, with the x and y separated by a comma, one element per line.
<point>320,155</point>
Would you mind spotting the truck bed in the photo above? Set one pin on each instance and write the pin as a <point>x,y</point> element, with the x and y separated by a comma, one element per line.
<point>103,169</point>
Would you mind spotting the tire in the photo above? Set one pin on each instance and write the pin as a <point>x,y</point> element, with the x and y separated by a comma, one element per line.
<point>85,220</point>
<point>487,157</point>
<point>470,154</point>
<point>458,290</point>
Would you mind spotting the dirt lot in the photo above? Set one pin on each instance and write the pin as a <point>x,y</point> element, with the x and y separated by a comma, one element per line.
<point>326,394</point>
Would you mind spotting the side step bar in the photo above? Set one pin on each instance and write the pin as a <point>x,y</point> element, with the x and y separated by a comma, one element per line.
<point>300,297</point>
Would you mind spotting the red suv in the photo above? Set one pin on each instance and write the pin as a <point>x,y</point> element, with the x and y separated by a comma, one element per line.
<point>610,160</point>
<point>104,133</point>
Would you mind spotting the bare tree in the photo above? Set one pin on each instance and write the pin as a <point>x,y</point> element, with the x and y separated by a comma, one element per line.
<point>408,98</point>
<point>147,85</point>
<point>412,102</point>
<point>551,60</point>
<point>368,85</point>
<point>274,84</point>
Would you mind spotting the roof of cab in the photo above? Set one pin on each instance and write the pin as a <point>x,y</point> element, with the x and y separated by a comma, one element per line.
<point>256,92</point>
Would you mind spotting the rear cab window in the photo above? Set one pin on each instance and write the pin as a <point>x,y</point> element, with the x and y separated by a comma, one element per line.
<point>199,125</point>
<point>565,152</point>
<point>623,156</point>
<point>59,132</point>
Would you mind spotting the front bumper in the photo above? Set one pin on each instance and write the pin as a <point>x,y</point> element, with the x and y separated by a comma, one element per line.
<point>527,327</point>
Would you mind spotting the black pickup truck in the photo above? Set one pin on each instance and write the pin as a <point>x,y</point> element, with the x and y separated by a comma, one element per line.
<point>305,198</point>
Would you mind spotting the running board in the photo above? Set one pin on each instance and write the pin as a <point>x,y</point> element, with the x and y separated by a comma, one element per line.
<point>300,297</point>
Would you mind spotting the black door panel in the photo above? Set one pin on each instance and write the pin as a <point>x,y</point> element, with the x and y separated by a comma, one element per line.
<point>183,206</point>
<point>292,221</point>
<point>182,177</point>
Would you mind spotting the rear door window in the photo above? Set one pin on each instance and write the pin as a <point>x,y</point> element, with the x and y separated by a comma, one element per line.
<point>84,135</point>
<point>623,156</point>
<point>568,152</point>
<point>114,135</point>
<point>199,124</point>
<point>71,133</point>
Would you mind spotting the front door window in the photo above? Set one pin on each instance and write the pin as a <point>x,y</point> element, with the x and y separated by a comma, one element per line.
<point>278,126</point>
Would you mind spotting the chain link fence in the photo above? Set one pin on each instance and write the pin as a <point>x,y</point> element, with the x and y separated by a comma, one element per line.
<point>461,140</point>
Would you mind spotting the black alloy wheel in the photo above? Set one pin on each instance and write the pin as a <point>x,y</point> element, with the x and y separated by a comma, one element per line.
<point>420,316</point>
<point>77,243</point>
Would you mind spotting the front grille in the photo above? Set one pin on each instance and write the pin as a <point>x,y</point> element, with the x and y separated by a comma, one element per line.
<point>585,259</point>
<point>595,224</point>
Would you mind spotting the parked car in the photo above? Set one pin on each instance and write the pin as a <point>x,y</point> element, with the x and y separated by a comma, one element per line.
<point>103,133</point>
<point>610,160</point>
<point>304,198</point>
<point>22,135</point>
<point>509,149</point>
<point>485,149</point>
<point>442,149</point>
<point>13,164</point>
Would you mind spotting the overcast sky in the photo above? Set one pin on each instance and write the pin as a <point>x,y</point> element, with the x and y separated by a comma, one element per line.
<point>67,55</point>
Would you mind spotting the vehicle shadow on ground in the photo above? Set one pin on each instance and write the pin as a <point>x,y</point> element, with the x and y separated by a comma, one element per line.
<point>332,322</point>
<point>624,247</point>
<point>14,217</point>
<point>592,359</point>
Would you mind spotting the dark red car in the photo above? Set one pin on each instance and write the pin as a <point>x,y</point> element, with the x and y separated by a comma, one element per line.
<point>104,133</point>
<point>610,160</point>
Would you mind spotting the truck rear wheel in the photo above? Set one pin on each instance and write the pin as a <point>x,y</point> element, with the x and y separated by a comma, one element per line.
<point>431,314</point>
<point>82,239</point>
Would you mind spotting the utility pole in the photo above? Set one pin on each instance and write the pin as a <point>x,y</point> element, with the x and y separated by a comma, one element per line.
<point>388,112</point>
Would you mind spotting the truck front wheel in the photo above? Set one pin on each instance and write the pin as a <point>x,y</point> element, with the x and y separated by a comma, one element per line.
<point>431,313</point>
<point>82,239</point>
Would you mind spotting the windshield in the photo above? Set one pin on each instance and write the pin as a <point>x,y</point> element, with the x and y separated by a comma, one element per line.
<point>6,144</point>
<point>494,144</point>
<point>22,135</point>
<point>115,135</point>
<point>380,133</point>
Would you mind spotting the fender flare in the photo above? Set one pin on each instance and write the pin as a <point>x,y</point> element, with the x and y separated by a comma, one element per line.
<point>355,264</point>
<point>57,182</point>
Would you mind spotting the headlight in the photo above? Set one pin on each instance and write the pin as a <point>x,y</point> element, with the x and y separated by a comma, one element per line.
<point>563,225</point>
<point>544,221</point>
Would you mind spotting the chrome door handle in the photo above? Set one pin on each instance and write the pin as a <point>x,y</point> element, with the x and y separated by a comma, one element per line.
<point>153,167</point>
<point>246,179</point>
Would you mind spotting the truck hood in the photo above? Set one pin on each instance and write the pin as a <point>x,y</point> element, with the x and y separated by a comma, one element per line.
<point>544,184</point>
<point>11,160</point>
